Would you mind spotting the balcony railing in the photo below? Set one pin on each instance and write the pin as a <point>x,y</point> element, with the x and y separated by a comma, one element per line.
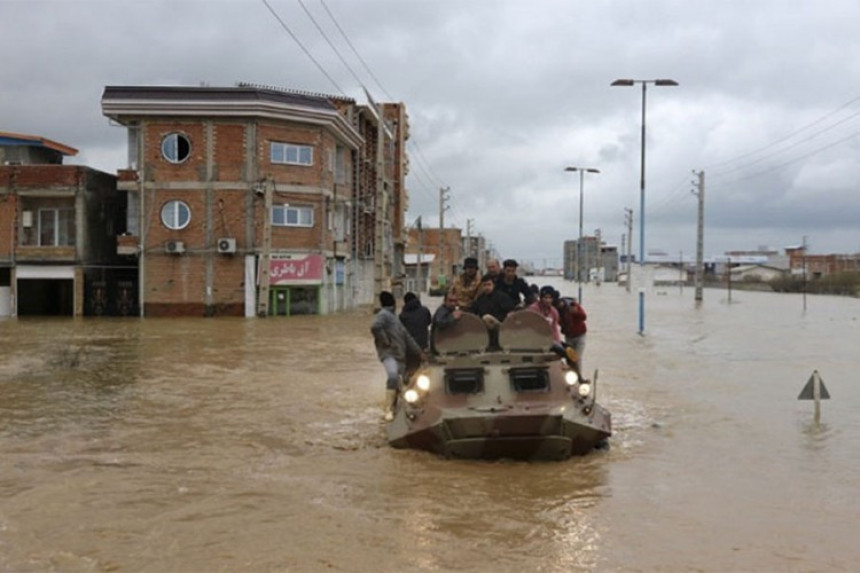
<point>126,245</point>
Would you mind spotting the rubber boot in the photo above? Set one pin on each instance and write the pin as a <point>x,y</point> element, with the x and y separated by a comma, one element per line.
<point>390,401</point>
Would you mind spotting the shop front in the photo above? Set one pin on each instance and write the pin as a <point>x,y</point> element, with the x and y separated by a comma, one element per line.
<point>295,284</point>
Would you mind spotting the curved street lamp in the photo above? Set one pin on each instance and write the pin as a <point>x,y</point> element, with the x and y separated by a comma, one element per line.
<point>582,172</point>
<point>628,83</point>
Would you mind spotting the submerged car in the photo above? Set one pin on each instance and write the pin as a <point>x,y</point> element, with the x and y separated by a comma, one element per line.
<point>517,397</point>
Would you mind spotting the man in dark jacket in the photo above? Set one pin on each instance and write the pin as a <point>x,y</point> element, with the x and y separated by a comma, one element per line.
<point>513,286</point>
<point>492,306</point>
<point>416,318</point>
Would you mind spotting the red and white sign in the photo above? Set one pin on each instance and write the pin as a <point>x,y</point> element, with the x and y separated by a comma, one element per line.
<point>298,269</point>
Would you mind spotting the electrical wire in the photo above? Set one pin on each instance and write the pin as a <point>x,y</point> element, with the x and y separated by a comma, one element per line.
<point>786,137</point>
<point>302,46</point>
<point>354,51</point>
<point>331,45</point>
<point>795,160</point>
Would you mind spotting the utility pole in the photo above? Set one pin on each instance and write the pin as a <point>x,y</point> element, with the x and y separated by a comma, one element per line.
<point>380,215</point>
<point>266,252</point>
<point>804,273</point>
<point>623,243</point>
<point>628,217</point>
<point>444,197</point>
<point>729,278</point>
<point>700,236</point>
<point>469,252</point>
<point>419,272</point>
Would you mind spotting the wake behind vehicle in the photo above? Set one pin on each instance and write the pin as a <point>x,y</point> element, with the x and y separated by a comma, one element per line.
<point>518,398</point>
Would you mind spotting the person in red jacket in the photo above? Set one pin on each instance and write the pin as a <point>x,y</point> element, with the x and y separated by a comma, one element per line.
<point>572,318</point>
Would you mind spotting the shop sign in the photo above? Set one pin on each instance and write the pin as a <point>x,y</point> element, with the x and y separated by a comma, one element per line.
<point>307,269</point>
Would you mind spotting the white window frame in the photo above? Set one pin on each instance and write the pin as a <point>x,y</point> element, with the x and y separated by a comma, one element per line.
<point>171,215</point>
<point>170,148</point>
<point>292,216</point>
<point>291,154</point>
<point>56,226</point>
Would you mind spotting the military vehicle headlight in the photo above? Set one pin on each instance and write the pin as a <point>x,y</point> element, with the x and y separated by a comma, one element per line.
<point>423,382</point>
<point>571,377</point>
<point>411,396</point>
<point>584,389</point>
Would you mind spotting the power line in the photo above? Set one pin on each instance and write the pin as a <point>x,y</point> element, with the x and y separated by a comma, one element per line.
<point>796,159</point>
<point>331,45</point>
<point>788,136</point>
<point>424,164</point>
<point>354,51</point>
<point>302,46</point>
<point>677,195</point>
<point>792,146</point>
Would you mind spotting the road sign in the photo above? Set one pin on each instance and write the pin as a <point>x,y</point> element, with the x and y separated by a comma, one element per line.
<point>808,392</point>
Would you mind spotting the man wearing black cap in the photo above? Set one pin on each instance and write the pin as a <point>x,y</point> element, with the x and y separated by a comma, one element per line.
<point>514,286</point>
<point>465,286</point>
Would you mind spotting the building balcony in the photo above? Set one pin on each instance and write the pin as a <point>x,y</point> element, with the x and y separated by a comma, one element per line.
<point>126,245</point>
<point>33,254</point>
<point>127,179</point>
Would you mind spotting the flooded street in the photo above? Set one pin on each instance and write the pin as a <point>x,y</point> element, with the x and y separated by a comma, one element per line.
<point>256,445</point>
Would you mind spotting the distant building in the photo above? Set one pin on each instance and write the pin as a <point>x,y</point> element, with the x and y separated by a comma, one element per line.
<point>599,261</point>
<point>817,266</point>
<point>446,247</point>
<point>760,273</point>
<point>57,249</point>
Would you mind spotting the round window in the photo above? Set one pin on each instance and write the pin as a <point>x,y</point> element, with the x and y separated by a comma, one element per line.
<point>175,215</point>
<point>175,147</point>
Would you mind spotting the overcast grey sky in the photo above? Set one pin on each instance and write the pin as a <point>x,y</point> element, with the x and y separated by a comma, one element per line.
<point>502,95</point>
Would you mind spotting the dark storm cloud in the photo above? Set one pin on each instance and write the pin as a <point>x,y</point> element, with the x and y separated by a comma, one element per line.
<point>502,96</point>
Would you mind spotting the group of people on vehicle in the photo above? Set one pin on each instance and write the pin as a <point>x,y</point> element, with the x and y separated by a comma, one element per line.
<point>402,342</point>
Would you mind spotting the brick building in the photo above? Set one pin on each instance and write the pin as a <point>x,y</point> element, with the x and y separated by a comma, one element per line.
<point>251,200</point>
<point>446,248</point>
<point>818,266</point>
<point>57,229</point>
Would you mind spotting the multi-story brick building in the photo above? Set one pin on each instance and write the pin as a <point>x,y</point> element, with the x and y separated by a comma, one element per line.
<point>252,200</point>
<point>57,229</point>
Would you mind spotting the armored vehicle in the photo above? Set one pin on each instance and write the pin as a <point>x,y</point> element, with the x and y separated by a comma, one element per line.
<point>519,396</point>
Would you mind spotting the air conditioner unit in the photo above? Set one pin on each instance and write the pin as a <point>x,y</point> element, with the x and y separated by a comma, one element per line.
<point>226,245</point>
<point>174,247</point>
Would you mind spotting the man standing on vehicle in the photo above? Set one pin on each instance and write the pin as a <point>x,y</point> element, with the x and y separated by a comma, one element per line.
<point>467,283</point>
<point>494,269</point>
<point>514,286</point>
<point>492,306</point>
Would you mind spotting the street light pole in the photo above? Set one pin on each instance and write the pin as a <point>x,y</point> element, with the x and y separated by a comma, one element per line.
<point>582,171</point>
<point>661,82</point>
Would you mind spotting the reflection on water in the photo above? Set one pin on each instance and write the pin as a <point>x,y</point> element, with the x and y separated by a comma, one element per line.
<point>248,444</point>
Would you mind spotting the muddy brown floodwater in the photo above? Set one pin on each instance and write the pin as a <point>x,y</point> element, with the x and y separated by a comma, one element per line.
<point>256,445</point>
